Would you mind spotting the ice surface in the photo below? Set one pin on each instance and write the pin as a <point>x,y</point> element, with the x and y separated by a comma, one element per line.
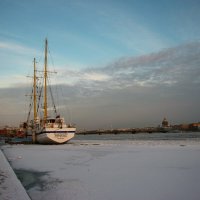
<point>114,170</point>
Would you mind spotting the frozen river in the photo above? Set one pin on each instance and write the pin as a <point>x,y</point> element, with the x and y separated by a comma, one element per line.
<point>109,170</point>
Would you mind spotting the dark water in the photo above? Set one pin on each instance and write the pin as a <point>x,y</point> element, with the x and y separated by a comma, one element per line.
<point>35,179</point>
<point>31,178</point>
<point>142,136</point>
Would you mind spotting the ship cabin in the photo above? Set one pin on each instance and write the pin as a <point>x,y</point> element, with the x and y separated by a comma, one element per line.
<point>55,122</point>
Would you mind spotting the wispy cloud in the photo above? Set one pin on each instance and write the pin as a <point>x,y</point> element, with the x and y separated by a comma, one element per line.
<point>94,76</point>
<point>128,31</point>
<point>17,48</point>
<point>168,68</point>
<point>16,60</point>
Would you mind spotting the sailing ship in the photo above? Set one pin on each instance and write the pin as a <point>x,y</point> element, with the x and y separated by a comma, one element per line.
<point>47,130</point>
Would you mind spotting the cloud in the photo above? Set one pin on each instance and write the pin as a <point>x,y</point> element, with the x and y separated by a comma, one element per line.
<point>140,90</point>
<point>168,68</point>
<point>16,59</point>
<point>17,48</point>
<point>127,31</point>
<point>129,92</point>
<point>10,81</point>
<point>93,76</point>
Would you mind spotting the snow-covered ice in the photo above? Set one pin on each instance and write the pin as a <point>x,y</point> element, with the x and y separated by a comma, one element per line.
<point>114,170</point>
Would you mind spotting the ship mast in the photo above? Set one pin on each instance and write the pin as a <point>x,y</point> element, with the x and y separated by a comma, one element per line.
<point>34,92</point>
<point>45,82</point>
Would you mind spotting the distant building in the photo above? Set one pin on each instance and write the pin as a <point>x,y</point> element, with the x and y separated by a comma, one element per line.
<point>184,127</point>
<point>165,123</point>
<point>194,126</point>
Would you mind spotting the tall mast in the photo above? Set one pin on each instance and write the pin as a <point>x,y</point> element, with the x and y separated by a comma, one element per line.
<point>34,92</point>
<point>45,81</point>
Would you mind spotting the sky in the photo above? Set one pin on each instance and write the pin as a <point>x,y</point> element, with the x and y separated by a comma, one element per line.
<point>119,63</point>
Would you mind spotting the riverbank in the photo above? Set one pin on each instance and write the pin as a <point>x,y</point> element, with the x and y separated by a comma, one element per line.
<point>109,169</point>
<point>10,187</point>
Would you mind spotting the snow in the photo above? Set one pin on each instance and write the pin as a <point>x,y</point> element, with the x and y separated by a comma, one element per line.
<point>114,170</point>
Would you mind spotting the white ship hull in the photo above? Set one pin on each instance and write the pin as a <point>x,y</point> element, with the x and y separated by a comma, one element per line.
<point>55,135</point>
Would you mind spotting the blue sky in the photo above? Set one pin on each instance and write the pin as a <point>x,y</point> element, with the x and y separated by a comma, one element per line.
<point>89,38</point>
